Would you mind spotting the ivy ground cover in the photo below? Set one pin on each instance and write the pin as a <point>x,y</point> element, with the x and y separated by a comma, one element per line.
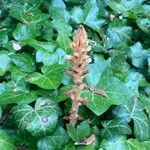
<point>35,37</point>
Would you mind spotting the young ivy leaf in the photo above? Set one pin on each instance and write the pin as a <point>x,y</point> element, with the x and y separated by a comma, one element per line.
<point>123,144</point>
<point>40,120</point>
<point>19,97</point>
<point>88,15</point>
<point>5,63</point>
<point>42,46</point>
<point>50,79</point>
<point>55,141</point>
<point>132,110</point>
<point>27,14</point>
<point>118,33</point>
<point>1,111</point>
<point>125,6</point>
<point>24,61</point>
<point>144,24</point>
<point>80,133</point>
<point>138,55</point>
<point>114,128</point>
<point>24,32</point>
<point>5,141</point>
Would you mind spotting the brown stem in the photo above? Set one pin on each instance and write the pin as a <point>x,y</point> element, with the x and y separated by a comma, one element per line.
<point>96,91</point>
<point>79,60</point>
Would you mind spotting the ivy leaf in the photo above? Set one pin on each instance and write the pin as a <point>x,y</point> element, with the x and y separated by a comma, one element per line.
<point>1,111</point>
<point>132,110</point>
<point>115,128</point>
<point>138,55</point>
<point>27,14</point>
<point>16,74</point>
<point>40,120</point>
<point>124,6</point>
<point>88,15</point>
<point>50,79</point>
<point>6,141</point>
<point>117,91</point>
<point>64,41</point>
<point>2,88</point>
<point>123,144</point>
<point>4,63</point>
<point>58,11</point>
<point>9,97</point>
<point>80,133</point>
<point>24,32</point>
<point>133,81</point>
<point>59,94</point>
<point>42,46</point>
<point>34,2</point>
<point>145,102</point>
<point>55,141</point>
<point>146,144</point>
<point>62,26</point>
<point>91,11</point>
<point>117,33</point>
<point>69,146</point>
<point>144,24</point>
<point>50,58</point>
<point>3,37</point>
<point>24,61</point>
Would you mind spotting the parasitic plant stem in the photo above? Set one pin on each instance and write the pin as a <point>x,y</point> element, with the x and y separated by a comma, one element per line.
<point>79,61</point>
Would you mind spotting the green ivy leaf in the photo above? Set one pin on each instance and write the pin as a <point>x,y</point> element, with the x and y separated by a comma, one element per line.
<point>24,32</point>
<point>88,15</point>
<point>27,14</point>
<point>133,82</point>
<point>115,128</point>
<point>123,144</point>
<point>80,133</point>
<point>16,74</point>
<point>69,146</point>
<point>132,110</point>
<point>2,88</point>
<point>3,37</point>
<point>117,33</point>
<point>9,97</point>
<point>1,111</point>
<point>60,94</point>
<point>6,141</point>
<point>4,63</point>
<point>146,144</point>
<point>50,58</point>
<point>62,26</point>
<point>117,91</point>
<point>42,46</point>
<point>138,55</point>
<point>58,11</point>
<point>55,141</point>
<point>64,42</point>
<point>40,120</point>
<point>50,79</point>
<point>24,61</point>
<point>34,2</point>
<point>125,6</point>
<point>144,24</point>
<point>145,102</point>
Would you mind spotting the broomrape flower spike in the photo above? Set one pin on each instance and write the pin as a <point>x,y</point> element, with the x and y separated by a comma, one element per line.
<point>79,61</point>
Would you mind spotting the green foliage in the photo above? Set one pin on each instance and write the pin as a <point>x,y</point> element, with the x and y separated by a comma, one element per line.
<point>40,120</point>
<point>5,141</point>
<point>83,130</point>
<point>35,38</point>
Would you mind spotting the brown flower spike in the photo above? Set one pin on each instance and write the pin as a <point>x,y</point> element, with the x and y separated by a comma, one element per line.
<point>79,61</point>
